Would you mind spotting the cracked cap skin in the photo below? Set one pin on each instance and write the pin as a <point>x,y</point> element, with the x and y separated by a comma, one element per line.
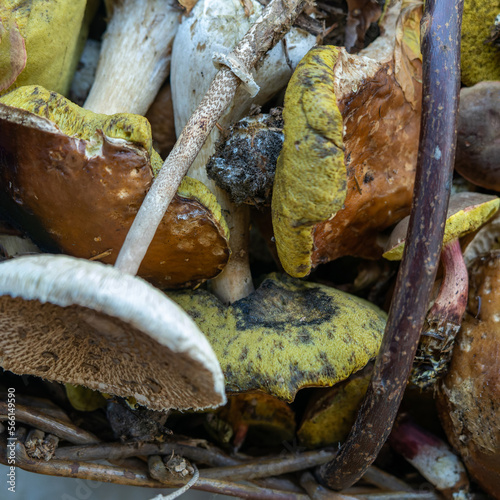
<point>74,180</point>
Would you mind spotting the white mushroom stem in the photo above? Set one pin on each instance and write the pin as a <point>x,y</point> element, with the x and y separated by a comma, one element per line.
<point>235,281</point>
<point>135,56</point>
<point>275,20</point>
<point>432,457</point>
<point>204,39</point>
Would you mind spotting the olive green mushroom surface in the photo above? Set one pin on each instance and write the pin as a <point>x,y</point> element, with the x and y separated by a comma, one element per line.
<point>287,335</point>
<point>74,181</point>
<point>459,221</point>
<point>51,33</point>
<point>347,167</point>
<point>480,60</point>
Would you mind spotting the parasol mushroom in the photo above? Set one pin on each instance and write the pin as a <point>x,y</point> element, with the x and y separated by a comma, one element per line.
<point>469,396</point>
<point>466,213</point>
<point>342,178</point>
<point>91,325</point>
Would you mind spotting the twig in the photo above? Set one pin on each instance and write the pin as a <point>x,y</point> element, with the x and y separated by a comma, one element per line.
<point>441,26</point>
<point>136,477</point>
<point>398,495</point>
<point>385,481</point>
<point>271,26</point>
<point>270,467</point>
<point>113,451</point>
<point>317,492</point>
<point>39,420</point>
<point>209,456</point>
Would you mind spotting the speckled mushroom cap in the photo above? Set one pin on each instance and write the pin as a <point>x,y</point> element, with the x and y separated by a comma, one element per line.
<point>86,323</point>
<point>287,335</point>
<point>347,166</point>
<point>466,213</point>
<point>469,397</point>
<point>82,177</point>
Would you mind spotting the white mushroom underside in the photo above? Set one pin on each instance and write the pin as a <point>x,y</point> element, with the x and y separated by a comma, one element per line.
<point>120,335</point>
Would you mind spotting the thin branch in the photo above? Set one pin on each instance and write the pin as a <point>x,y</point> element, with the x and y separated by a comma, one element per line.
<point>271,467</point>
<point>136,477</point>
<point>52,425</point>
<point>441,26</point>
<point>384,480</point>
<point>112,451</point>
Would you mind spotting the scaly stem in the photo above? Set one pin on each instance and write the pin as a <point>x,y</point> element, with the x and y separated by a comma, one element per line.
<point>441,27</point>
<point>443,320</point>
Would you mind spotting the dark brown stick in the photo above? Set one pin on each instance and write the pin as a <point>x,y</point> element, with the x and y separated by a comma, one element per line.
<point>271,467</point>
<point>39,420</point>
<point>440,27</point>
<point>135,477</point>
<point>112,451</point>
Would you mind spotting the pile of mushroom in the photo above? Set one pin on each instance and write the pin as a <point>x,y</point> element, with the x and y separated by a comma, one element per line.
<point>88,183</point>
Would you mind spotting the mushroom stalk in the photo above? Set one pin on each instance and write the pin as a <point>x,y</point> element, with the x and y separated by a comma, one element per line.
<point>443,319</point>
<point>135,56</point>
<point>235,281</point>
<point>440,32</point>
<point>432,457</point>
<point>274,22</point>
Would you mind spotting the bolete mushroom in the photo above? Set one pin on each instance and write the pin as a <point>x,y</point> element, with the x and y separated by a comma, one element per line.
<point>466,213</point>
<point>287,335</point>
<point>342,176</point>
<point>82,176</point>
<point>469,395</point>
<point>480,60</point>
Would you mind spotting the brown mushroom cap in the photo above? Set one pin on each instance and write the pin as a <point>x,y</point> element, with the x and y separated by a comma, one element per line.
<point>86,323</point>
<point>466,212</point>
<point>83,177</point>
<point>478,139</point>
<point>469,398</point>
<point>342,176</point>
